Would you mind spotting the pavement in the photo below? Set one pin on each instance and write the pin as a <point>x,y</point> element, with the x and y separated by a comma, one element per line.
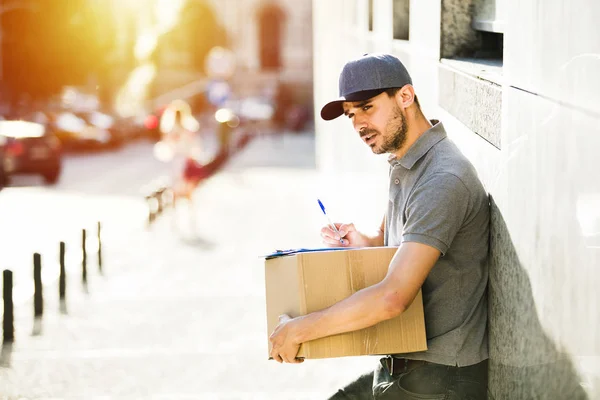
<point>179,312</point>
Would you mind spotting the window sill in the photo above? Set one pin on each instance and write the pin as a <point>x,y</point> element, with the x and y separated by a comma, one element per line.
<point>488,70</point>
<point>472,92</point>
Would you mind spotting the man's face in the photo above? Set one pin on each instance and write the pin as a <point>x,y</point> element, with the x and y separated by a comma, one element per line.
<point>379,121</point>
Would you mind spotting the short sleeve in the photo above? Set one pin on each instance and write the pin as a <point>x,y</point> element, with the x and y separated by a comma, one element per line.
<point>435,211</point>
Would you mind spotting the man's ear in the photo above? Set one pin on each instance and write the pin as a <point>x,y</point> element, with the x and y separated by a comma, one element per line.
<point>405,96</point>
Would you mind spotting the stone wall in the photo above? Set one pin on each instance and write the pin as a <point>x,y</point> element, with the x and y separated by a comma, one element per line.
<point>529,122</point>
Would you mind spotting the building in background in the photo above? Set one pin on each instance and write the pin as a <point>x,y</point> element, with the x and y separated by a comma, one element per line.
<point>516,84</point>
<point>271,39</point>
<point>274,39</point>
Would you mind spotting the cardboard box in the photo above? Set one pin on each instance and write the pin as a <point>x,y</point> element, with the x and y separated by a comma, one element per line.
<point>305,282</point>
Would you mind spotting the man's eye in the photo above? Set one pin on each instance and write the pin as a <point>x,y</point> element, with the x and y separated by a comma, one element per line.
<point>365,108</point>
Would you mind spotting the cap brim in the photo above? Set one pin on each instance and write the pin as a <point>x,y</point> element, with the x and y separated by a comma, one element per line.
<point>335,108</point>
<point>332,110</point>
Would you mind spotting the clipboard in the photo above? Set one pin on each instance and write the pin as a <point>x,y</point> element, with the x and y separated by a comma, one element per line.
<point>283,253</point>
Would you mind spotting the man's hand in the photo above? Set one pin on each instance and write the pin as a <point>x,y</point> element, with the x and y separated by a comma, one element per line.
<point>284,346</point>
<point>350,236</point>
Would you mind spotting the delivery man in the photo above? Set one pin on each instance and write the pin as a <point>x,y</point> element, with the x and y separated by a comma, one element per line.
<point>438,216</point>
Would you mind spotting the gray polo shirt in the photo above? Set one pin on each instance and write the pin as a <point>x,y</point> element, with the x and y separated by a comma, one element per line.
<point>437,199</point>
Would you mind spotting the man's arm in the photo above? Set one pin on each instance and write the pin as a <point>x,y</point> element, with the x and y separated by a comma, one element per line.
<point>387,299</point>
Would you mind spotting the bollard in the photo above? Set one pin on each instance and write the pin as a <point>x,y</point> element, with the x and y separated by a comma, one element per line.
<point>159,200</point>
<point>38,299</point>
<point>84,258</point>
<point>168,197</point>
<point>62,280</point>
<point>151,213</point>
<point>8,316</point>
<point>99,247</point>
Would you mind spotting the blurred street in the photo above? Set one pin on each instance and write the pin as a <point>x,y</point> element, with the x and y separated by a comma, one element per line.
<point>37,217</point>
<point>180,311</point>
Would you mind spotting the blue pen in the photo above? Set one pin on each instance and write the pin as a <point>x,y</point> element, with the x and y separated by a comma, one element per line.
<point>330,223</point>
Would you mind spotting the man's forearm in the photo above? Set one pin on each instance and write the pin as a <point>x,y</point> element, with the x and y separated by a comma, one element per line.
<point>365,308</point>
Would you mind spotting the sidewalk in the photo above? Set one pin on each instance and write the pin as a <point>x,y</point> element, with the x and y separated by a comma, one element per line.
<point>183,317</point>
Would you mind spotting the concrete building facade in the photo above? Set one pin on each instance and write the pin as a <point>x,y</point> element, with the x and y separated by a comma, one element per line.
<point>516,85</point>
<point>271,40</point>
<point>288,25</point>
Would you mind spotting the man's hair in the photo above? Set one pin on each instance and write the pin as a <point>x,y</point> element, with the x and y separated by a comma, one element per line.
<point>391,92</point>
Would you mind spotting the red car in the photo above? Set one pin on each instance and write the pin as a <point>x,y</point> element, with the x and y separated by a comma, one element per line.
<point>29,149</point>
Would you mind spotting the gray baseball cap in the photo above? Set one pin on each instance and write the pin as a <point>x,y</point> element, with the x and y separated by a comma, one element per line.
<point>364,78</point>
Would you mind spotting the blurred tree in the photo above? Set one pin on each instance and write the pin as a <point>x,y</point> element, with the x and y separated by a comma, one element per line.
<point>201,26</point>
<point>271,19</point>
<point>52,45</point>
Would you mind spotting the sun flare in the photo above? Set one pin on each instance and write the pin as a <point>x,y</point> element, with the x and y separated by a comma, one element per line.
<point>165,15</point>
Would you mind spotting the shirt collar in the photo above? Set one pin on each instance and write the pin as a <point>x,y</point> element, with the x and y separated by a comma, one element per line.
<point>419,148</point>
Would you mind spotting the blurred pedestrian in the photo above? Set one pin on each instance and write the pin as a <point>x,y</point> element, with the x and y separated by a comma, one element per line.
<point>181,147</point>
<point>438,215</point>
<point>180,143</point>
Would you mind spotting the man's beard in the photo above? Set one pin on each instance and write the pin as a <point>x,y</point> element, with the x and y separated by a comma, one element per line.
<point>395,134</point>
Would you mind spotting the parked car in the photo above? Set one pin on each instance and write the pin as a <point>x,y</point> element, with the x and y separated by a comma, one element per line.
<point>130,128</point>
<point>74,132</point>
<point>102,122</point>
<point>30,149</point>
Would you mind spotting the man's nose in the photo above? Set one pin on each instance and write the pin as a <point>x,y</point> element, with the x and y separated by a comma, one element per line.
<point>359,124</point>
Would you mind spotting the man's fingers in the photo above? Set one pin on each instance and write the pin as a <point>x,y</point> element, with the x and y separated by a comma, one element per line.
<point>330,236</point>
<point>328,233</point>
<point>275,355</point>
<point>281,358</point>
<point>346,228</point>
<point>335,243</point>
<point>291,360</point>
<point>331,241</point>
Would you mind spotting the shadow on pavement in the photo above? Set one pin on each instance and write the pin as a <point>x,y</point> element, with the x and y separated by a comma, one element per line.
<point>37,327</point>
<point>5,355</point>
<point>198,242</point>
<point>63,307</point>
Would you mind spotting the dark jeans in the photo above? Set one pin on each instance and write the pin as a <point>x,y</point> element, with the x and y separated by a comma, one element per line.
<point>425,382</point>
